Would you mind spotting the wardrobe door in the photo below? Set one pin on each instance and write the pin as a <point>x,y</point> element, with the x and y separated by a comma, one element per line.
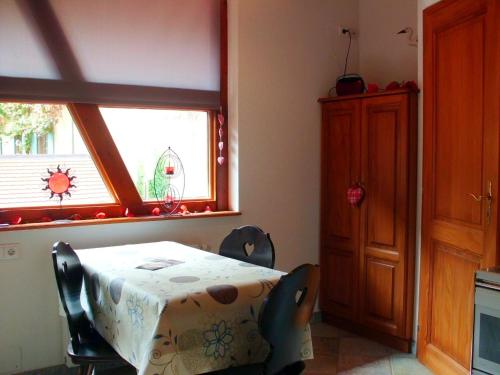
<point>339,221</point>
<point>385,151</point>
<point>460,174</point>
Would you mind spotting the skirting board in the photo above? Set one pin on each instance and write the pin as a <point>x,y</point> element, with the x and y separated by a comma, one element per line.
<point>64,370</point>
<point>54,370</point>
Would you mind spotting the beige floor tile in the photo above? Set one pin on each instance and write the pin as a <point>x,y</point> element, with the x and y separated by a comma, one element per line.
<point>326,346</point>
<point>326,330</point>
<point>350,345</point>
<point>377,367</point>
<point>321,365</point>
<point>407,364</point>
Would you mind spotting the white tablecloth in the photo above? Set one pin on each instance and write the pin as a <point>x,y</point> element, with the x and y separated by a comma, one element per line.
<point>171,309</point>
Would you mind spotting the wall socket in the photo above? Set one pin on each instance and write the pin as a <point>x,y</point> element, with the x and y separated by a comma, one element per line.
<point>9,251</point>
<point>343,30</point>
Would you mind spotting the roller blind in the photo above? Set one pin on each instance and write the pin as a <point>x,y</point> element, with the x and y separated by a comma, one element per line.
<point>158,51</point>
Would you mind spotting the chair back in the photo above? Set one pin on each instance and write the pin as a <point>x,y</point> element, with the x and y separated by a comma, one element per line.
<point>234,246</point>
<point>285,314</point>
<point>69,277</point>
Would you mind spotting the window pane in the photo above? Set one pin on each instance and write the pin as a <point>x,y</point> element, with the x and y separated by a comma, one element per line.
<point>36,139</point>
<point>143,135</point>
<point>489,337</point>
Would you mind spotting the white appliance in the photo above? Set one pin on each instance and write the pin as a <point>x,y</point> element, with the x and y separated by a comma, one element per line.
<point>486,346</point>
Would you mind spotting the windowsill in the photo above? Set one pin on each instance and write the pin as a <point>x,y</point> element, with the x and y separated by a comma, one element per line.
<point>115,220</point>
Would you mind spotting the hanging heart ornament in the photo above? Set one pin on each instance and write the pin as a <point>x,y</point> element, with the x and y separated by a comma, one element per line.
<point>355,195</point>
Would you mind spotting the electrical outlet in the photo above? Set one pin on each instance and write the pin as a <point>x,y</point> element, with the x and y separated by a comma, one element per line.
<point>344,30</point>
<point>9,251</point>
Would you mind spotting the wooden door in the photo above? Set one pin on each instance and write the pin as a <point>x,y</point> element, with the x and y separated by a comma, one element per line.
<point>339,222</point>
<point>387,224</point>
<point>461,118</point>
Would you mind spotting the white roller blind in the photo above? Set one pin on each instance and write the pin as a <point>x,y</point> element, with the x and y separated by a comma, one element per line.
<point>159,43</point>
<point>22,53</point>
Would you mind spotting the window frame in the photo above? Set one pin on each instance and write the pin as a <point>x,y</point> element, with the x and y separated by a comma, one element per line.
<point>99,142</point>
<point>114,173</point>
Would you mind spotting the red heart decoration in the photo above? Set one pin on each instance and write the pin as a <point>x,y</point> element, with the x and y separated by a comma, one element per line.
<point>220,118</point>
<point>355,195</point>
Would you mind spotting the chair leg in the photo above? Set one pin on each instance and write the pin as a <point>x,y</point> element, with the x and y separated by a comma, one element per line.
<point>87,369</point>
<point>294,369</point>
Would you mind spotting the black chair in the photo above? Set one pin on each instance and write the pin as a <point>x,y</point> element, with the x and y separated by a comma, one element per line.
<point>235,246</point>
<point>86,348</point>
<point>283,318</point>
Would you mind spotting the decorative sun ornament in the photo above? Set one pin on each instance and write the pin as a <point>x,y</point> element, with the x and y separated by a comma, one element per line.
<point>59,183</point>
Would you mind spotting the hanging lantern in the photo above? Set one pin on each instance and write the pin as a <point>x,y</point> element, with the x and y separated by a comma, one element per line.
<point>169,181</point>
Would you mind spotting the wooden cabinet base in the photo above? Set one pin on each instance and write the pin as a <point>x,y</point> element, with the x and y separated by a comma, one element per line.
<point>397,343</point>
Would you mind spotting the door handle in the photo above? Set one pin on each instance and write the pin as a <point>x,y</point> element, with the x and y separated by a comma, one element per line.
<point>477,198</point>
<point>489,198</point>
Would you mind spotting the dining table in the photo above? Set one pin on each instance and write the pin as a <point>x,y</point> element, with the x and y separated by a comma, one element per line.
<point>168,308</point>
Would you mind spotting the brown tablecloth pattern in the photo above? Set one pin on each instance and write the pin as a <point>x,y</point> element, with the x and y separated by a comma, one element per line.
<point>168,308</point>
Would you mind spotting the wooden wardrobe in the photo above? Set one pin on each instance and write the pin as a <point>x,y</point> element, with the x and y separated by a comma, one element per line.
<point>367,251</point>
<point>461,97</point>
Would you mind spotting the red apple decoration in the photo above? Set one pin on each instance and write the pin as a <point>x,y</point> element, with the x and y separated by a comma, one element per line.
<point>411,85</point>
<point>372,88</point>
<point>17,220</point>
<point>394,85</point>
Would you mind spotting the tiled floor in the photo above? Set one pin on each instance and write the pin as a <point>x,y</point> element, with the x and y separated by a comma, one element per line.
<point>336,352</point>
<point>340,352</point>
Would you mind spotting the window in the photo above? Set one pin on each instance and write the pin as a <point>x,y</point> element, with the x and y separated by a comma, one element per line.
<point>42,143</point>
<point>105,101</point>
<point>23,167</point>
<point>143,135</point>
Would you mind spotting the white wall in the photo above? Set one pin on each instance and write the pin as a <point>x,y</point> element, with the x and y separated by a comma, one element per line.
<point>284,55</point>
<point>383,55</point>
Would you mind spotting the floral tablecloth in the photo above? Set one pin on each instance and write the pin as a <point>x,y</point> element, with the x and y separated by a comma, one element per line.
<point>171,309</point>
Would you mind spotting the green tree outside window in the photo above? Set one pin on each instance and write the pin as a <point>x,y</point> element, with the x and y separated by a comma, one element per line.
<point>23,121</point>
